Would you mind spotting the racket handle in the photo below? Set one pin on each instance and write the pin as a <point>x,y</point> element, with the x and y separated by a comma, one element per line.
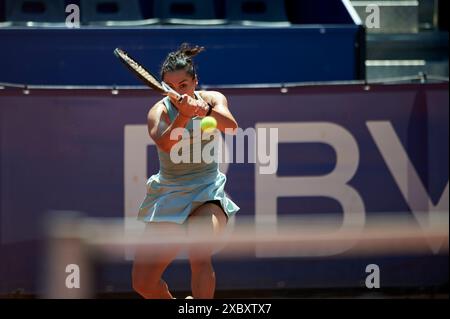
<point>170,92</point>
<point>174,95</point>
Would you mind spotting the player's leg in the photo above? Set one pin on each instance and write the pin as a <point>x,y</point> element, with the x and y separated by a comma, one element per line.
<point>149,265</point>
<point>211,219</point>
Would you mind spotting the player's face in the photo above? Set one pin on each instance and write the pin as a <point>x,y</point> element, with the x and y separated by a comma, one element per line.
<point>181,81</point>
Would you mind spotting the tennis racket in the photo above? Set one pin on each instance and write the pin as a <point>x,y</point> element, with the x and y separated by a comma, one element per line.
<point>148,78</point>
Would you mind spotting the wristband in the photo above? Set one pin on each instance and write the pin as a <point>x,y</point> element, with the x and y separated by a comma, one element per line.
<point>210,108</point>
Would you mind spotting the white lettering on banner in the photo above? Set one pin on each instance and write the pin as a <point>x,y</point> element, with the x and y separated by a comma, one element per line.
<point>136,141</point>
<point>427,214</point>
<point>333,185</point>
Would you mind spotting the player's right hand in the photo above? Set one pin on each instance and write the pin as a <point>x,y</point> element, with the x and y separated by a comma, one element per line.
<point>188,106</point>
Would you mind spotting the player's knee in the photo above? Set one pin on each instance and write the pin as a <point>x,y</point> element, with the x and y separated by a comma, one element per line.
<point>210,217</point>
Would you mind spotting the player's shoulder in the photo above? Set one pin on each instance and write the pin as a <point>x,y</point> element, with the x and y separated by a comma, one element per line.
<point>158,106</point>
<point>212,95</point>
<point>157,109</point>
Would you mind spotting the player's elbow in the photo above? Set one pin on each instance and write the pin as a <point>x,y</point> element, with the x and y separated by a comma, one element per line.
<point>161,144</point>
<point>231,128</point>
<point>164,147</point>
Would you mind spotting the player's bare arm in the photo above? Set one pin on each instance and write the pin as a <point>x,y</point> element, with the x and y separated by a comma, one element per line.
<point>160,129</point>
<point>220,112</point>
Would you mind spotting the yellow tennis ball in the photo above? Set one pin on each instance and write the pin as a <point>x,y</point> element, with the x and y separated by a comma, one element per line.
<point>208,123</point>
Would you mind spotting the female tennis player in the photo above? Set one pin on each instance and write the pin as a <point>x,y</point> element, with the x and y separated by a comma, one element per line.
<point>183,196</point>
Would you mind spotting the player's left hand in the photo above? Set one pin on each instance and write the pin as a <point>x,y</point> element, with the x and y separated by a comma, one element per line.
<point>202,108</point>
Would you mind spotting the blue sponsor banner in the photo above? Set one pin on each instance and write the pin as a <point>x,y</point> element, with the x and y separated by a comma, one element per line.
<point>349,150</point>
<point>85,56</point>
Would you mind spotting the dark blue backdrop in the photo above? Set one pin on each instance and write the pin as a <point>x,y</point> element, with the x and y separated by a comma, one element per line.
<point>234,55</point>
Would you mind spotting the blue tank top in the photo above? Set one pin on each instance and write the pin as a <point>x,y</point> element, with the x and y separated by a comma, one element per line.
<point>195,167</point>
